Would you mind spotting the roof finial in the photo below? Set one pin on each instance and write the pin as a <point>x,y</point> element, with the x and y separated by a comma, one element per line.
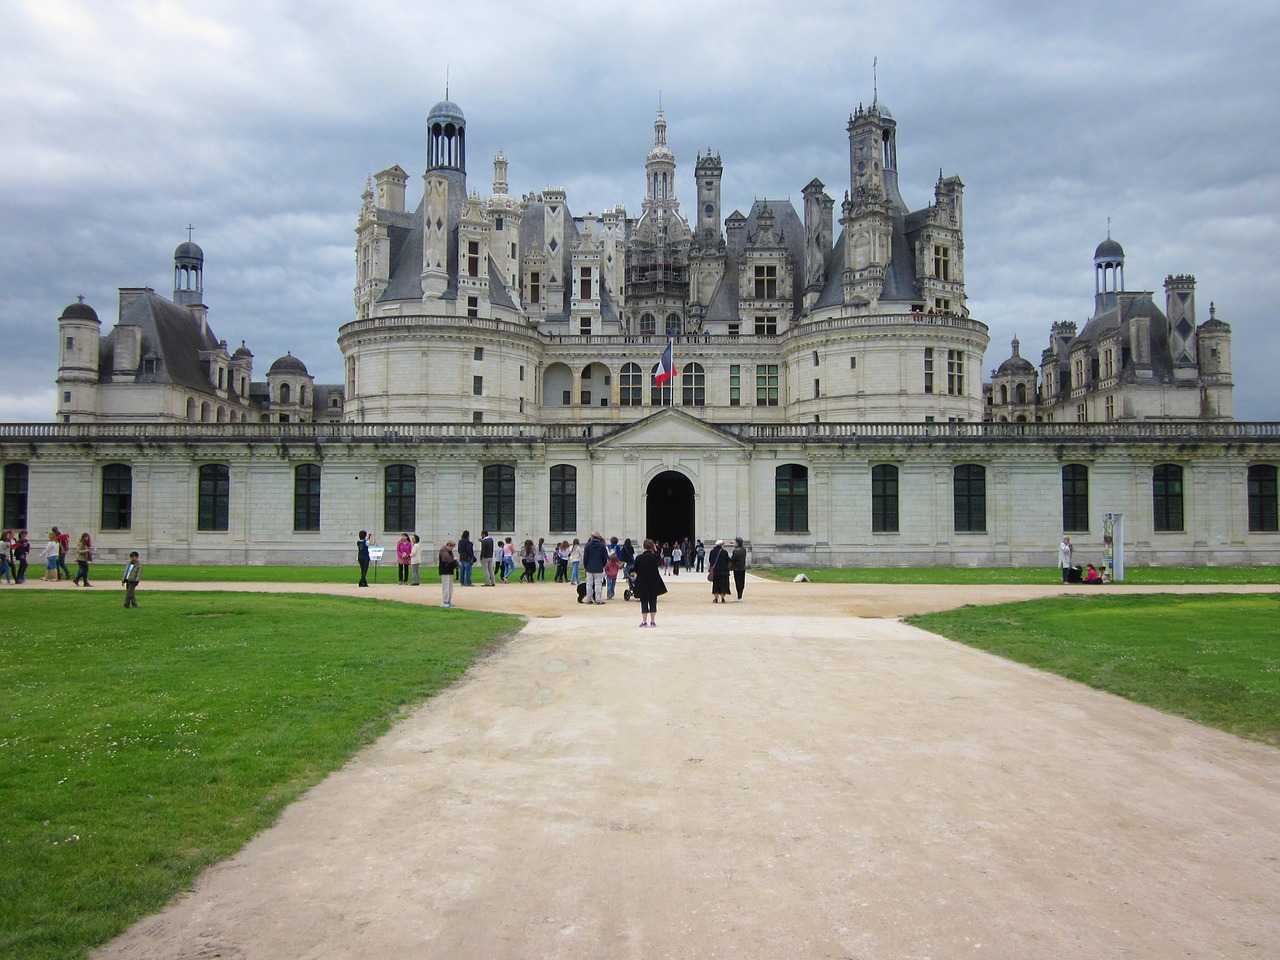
<point>189,229</point>
<point>1108,228</point>
<point>875,80</point>
<point>446,81</point>
<point>1213,309</point>
<point>80,297</point>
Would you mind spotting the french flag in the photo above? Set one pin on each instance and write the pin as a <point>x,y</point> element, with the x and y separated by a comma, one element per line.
<point>665,368</point>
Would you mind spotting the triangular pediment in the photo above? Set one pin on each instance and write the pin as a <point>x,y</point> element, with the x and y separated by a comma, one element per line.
<point>671,429</point>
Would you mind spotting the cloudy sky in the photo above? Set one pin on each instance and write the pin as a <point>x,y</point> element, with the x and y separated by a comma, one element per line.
<point>123,121</point>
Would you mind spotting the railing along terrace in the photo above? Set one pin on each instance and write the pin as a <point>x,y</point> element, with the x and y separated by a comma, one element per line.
<point>1187,431</point>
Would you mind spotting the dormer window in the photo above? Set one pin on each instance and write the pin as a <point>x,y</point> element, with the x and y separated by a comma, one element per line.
<point>766,286</point>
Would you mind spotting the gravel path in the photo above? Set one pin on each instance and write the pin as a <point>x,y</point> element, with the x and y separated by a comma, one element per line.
<point>799,775</point>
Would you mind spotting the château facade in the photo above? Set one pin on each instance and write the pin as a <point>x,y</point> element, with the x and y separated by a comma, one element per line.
<point>828,404</point>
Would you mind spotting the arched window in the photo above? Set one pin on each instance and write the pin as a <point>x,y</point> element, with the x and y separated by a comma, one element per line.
<point>648,325</point>
<point>498,510</point>
<point>564,499</point>
<point>969,498</point>
<point>284,393</point>
<point>791,498</point>
<point>302,395</point>
<point>1166,498</point>
<point>400,498</point>
<point>884,498</point>
<point>16,478</point>
<point>693,382</point>
<point>631,385</point>
<point>1262,499</point>
<point>1020,393</point>
<point>215,497</point>
<point>117,496</point>
<point>222,415</point>
<point>205,411</point>
<point>306,496</point>
<point>1004,393</point>
<point>675,326</point>
<point>1075,497</point>
<point>191,408</point>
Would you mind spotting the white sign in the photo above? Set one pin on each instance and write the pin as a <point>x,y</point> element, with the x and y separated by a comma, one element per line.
<point>375,553</point>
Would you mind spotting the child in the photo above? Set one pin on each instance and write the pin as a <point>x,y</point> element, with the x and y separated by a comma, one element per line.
<point>132,574</point>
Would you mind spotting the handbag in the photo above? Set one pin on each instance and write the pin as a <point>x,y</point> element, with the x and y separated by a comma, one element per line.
<point>711,578</point>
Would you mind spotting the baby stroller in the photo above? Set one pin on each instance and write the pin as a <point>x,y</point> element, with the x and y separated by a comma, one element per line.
<point>630,590</point>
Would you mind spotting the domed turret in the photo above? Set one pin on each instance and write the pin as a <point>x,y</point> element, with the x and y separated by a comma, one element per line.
<point>79,334</point>
<point>188,274</point>
<point>286,366</point>
<point>1109,249</point>
<point>1108,273</point>
<point>80,311</point>
<point>446,137</point>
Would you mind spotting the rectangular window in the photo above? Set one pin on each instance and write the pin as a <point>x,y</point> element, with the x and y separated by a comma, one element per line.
<point>1262,499</point>
<point>477,386</point>
<point>479,353</point>
<point>306,497</point>
<point>969,493</point>
<point>766,283</point>
<point>499,497</point>
<point>522,372</point>
<point>1109,405</point>
<point>71,343</point>
<point>564,499</point>
<point>400,498</point>
<point>584,326</point>
<point>735,329</point>
<point>817,389</point>
<point>735,385</point>
<point>117,496</point>
<point>791,498</point>
<point>215,497</point>
<point>853,363</point>
<point>477,416</point>
<point>815,358</point>
<point>535,287</point>
<point>928,369</point>
<point>1075,498</point>
<point>1166,498</point>
<point>498,223</point>
<point>941,261</point>
<point>66,396</point>
<point>766,326</point>
<point>584,284</point>
<point>942,305</point>
<point>473,306</point>
<point>473,258</point>
<point>955,373</point>
<point>884,498</point>
<point>767,385</point>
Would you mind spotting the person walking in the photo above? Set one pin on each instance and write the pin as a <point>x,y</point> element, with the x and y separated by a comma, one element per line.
<point>529,559</point>
<point>132,577</point>
<point>718,571</point>
<point>1064,558</point>
<point>84,553</point>
<point>51,557</point>
<point>700,556</point>
<point>404,553</point>
<point>466,558</point>
<point>594,556</point>
<point>486,557</point>
<point>448,566</point>
<point>611,568</point>
<point>575,561</point>
<point>687,549</point>
<point>415,559</point>
<point>542,559</point>
<point>6,555</point>
<point>677,558</point>
<point>738,567</point>
<point>21,550</point>
<point>508,560</point>
<point>64,547</point>
<point>363,542</point>
<point>648,583</point>
<point>562,562</point>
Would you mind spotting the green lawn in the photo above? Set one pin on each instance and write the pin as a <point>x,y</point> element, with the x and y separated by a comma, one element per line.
<point>139,746</point>
<point>1213,658</point>
<point>1141,576</point>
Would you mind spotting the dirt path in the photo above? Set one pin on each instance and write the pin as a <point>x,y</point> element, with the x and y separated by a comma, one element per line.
<point>794,776</point>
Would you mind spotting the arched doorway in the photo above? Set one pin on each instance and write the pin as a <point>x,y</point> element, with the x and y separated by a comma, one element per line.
<point>669,511</point>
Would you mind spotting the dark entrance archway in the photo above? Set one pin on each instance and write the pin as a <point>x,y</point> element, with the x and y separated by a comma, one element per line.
<point>669,511</point>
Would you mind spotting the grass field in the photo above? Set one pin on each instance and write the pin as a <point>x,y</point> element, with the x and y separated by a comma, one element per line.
<point>1141,576</point>
<point>139,746</point>
<point>1213,658</point>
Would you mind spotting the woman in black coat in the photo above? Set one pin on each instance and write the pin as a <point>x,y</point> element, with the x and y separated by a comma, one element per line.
<point>718,568</point>
<point>649,586</point>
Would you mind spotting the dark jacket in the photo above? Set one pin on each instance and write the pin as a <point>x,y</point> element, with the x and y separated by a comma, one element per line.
<point>448,563</point>
<point>738,559</point>
<point>719,560</point>
<point>466,551</point>
<point>486,548</point>
<point>594,556</point>
<point>648,575</point>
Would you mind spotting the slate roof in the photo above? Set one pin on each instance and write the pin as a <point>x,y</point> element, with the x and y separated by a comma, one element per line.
<point>170,333</point>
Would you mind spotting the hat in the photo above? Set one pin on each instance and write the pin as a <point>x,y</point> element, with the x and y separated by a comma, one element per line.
<point>719,543</point>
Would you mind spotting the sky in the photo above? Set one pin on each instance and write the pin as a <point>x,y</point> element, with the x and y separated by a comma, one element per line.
<point>124,121</point>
